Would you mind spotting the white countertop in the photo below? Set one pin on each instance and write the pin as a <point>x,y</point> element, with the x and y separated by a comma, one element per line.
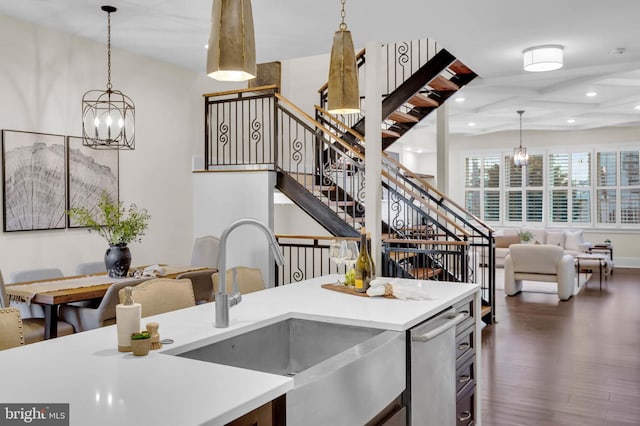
<point>107,387</point>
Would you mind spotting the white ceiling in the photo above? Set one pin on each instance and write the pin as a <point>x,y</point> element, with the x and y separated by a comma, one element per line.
<point>487,35</point>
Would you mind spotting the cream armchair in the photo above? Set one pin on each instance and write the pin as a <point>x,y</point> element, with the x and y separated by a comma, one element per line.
<point>539,262</point>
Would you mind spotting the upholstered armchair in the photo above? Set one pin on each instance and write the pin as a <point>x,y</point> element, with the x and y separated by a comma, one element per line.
<point>539,262</point>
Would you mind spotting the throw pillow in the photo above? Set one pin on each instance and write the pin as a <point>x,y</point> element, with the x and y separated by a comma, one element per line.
<point>506,240</point>
<point>556,238</point>
<point>574,240</point>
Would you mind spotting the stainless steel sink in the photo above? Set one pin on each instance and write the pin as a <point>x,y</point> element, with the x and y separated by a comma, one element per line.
<point>342,374</point>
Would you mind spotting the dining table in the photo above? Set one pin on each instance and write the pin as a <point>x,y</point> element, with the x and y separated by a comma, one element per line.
<point>51,293</point>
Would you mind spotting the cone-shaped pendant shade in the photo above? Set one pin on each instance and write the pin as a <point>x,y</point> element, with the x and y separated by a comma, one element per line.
<point>232,45</point>
<point>343,94</point>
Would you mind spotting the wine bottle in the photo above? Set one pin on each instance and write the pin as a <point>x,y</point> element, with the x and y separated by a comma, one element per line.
<point>369,252</point>
<point>363,265</point>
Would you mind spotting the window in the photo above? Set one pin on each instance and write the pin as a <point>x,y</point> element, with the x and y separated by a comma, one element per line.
<point>556,188</point>
<point>482,183</point>
<point>522,187</point>
<point>570,188</point>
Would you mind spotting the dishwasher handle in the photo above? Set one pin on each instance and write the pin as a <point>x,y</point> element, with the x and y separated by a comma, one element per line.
<point>452,322</point>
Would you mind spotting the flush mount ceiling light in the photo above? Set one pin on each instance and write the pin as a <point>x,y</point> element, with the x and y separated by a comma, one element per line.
<point>108,116</point>
<point>231,54</point>
<point>543,58</point>
<point>520,156</point>
<point>343,94</point>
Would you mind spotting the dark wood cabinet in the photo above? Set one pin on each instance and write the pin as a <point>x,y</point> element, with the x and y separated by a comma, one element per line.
<point>272,413</point>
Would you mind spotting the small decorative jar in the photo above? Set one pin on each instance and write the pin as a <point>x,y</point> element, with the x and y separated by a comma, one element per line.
<point>141,343</point>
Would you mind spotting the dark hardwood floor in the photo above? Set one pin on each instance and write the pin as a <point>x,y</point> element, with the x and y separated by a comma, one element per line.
<point>577,362</point>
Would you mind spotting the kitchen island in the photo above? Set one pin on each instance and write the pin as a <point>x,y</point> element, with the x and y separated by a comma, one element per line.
<point>106,387</point>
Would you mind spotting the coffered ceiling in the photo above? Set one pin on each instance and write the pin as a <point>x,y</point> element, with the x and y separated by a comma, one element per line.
<point>487,35</point>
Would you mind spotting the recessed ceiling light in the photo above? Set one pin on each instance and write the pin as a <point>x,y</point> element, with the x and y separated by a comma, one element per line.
<point>460,99</point>
<point>206,46</point>
<point>419,151</point>
<point>636,107</point>
<point>571,121</point>
<point>471,124</point>
<point>591,94</point>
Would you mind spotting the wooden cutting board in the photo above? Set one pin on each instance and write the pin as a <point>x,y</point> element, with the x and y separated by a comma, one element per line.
<point>349,290</point>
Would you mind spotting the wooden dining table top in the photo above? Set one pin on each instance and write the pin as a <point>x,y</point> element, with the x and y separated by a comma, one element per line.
<point>58,297</point>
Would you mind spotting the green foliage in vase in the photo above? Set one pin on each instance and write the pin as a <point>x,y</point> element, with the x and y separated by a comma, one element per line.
<point>526,236</point>
<point>113,221</point>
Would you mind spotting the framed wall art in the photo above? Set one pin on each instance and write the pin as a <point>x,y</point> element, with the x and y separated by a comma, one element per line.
<point>90,173</point>
<point>33,176</point>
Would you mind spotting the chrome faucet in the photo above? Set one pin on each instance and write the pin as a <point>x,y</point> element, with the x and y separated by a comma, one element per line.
<point>223,300</point>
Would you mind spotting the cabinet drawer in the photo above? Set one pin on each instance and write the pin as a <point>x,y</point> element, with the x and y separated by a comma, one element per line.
<point>465,408</point>
<point>465,373</point>
<point>466,307</point>
<point>464,342</point>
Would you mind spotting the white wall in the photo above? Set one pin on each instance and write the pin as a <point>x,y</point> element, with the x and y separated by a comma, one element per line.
<point>43,75</point>
<point>221,198</point>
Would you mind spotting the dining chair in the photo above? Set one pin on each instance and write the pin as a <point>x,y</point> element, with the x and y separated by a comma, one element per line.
<point>249,280</point>
<point>10,328</point>
<point>202,284</point>
<point>33,310</point>
<point>32,328</point>
<point>90,268</point>
<point>161,295</point>
<point>205,251</point>
<point>87,318</point>
<point>27,275</point>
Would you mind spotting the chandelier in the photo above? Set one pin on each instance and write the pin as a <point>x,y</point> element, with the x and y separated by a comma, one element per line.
<point>520,156</point>
<point>108,116</point>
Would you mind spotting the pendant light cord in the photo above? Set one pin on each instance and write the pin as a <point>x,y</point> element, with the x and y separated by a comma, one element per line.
<point>343,26</point>
<point>520,112</point>
<point>109,51</point>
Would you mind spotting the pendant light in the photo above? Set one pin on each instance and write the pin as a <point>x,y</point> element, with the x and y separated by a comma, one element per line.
<point>343,93</point>
<point>108,116</point>
<point>231,54</point>
<point>520,156</point>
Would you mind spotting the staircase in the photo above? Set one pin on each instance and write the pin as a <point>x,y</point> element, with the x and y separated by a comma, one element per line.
<point>438,75</point>
<point>320,166</point>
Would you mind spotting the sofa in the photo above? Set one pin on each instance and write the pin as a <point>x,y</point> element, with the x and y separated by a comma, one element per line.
<point>570,240</point>
<point>541,262</point>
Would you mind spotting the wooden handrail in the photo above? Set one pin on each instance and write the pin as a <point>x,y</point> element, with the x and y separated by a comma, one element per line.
<point>432,242</point>
<point>418,198</point>
<point>237,91</point>
<point>319,125</point>
<point>358,56</point>
<point>340,122</point>
<point>431,188</point>
<point>316,237</point>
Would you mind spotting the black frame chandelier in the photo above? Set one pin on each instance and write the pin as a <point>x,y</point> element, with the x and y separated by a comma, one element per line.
<point>108,116</point>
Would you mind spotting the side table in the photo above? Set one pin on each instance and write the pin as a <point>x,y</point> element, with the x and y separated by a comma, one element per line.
<point>603,249</point>
<point>592,261</point>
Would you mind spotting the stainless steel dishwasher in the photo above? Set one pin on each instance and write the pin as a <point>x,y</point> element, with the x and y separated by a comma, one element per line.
<point>432,357</point>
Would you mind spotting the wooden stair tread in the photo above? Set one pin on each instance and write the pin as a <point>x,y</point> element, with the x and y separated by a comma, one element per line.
<point>341,203</point>
<point>386,133</point>
<point>485,310</point>
<point>422,101</point>
<point>442,84</point>
<point>403,117</point>
<point>460,68</point>
<point>425,273</point>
